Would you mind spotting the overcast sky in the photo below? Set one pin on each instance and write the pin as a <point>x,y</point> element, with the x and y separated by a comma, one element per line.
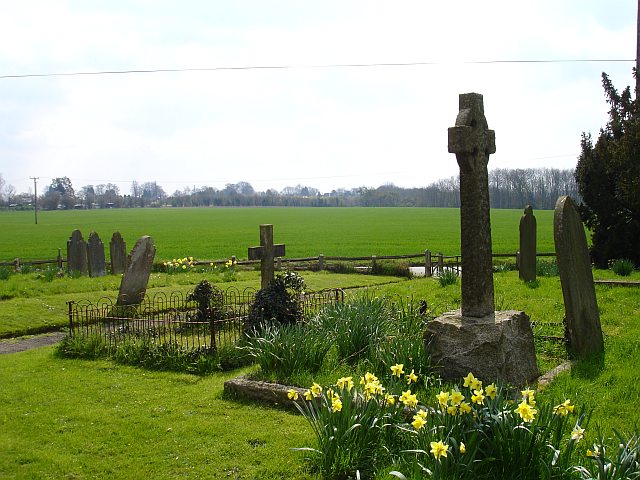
<point>311,124</point>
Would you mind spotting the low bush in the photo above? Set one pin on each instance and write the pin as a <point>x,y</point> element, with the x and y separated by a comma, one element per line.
<point>283,350</point>
<point>622,267</point>
<point>145,351</point>
<point>278,302</point>
<point>448,277</point>
<point>5,273</point>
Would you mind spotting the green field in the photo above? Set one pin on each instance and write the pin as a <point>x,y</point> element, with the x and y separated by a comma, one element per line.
<point>218,233</point>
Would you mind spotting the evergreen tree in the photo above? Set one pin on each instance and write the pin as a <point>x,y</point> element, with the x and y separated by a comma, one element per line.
<point>608,178</point>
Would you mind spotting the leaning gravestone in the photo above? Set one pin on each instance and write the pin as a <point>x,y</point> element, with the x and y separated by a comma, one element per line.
<point>77,253</point>
<point>492,345</point>
<point>95,256</point>
<point>118,252</point>
<point>134,281</point>
<point>527,267</point>
<point>581,307</point>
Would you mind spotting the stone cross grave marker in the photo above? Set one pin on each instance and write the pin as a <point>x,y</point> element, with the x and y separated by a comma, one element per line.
<point>266,253</point>
<point>118,252</point>
<point>134,281</point>
<point>472,142</point>
<point>527,267</point>
<point>77,253</point>
<point>580,304</point>
<point>95,256</point>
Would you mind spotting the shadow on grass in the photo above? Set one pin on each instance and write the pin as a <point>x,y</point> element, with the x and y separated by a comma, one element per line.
<point>588,368</point>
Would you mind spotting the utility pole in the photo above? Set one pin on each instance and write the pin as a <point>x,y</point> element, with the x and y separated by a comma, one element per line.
<point>35,194</point>
<point>638,53</point>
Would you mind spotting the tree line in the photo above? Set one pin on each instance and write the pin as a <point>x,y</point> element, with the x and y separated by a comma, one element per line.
<point>509,188</point>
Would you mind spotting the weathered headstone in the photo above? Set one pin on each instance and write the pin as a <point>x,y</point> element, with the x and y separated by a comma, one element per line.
<point>134,281</point>
<point>77,253</point>
<point>581,307</point>
<point>492,345</point>
<point>95,256</point>
<point>266,253</point>
<point>472,142</point>
<point>527,264</point>
<point>118,252</point>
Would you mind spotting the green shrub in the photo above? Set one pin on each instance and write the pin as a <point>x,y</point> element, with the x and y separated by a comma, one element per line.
<point>448,277</point>
<point>278,302</point>
<point>357,327</point>
<point>5,273</point>
<point>283,350</point>
<point>622,267</point>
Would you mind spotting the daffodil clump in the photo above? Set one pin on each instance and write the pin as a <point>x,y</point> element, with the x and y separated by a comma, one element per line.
<point>446,436</point>
<point>178,265</point>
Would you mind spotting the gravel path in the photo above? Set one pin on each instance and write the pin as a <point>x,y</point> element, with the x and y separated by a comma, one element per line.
<point>19,344</point>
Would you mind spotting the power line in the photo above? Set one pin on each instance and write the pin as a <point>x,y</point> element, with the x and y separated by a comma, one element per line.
<point>287,67</point>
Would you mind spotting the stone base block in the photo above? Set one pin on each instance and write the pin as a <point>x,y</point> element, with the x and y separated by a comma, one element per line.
<point>494,348</point>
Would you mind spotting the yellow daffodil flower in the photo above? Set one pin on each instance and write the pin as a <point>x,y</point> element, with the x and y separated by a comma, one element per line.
<point>491,391</point>
<point>439,449</point>
<point>468,380</point>
<point>422,413</point>
<point>564,408</point>
<point>463,448</point>
<point>412,377</point>
<point>316,390</point>
<point>345,382</point>
<point>443,398</point>
<point>292,394</point>
<point>308,395</point>
<point>476,384</point>
<point>577,433</point>
<point>336,404</point>
<point>397,370</point>
<point>418,422</point>
<point>390,399</point>
<point>526,411</point>
<point>465,408</point>
<point>452,410</point>
<point>456,397</point>
<point>528,396</point>
<point>478,397</point>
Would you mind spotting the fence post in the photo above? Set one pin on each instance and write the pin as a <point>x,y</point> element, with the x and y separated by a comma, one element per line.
<point>427,263</point>
<point>440,263</point>
<point>16,265</point>
<point>374,261</point>
<point>59,259</point>
<point>518,260</point>
<point>70,305</point>
<point>233,259</point>
<point>279,263</point>
<point>321,262</point>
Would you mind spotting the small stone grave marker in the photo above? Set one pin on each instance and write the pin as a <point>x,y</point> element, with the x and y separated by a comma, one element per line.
<point>95,256</point>
<point>118,252</point>
<point>266,253</point>
<point>581,307</point>
<point>136,277</point>
<point>527,266</point>
<point>77,253</point>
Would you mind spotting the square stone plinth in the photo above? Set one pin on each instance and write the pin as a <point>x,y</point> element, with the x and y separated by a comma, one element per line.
<point>497,347</point>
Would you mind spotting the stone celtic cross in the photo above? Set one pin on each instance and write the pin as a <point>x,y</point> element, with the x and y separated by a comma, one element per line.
<point>266,253</point>
<point>472,142</point>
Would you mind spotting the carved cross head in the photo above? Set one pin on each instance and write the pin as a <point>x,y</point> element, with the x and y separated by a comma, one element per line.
<point>471,135</point>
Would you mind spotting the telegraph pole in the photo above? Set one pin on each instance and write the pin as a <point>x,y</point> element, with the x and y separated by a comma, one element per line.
<point>638,52</point>
<point>35,194</point>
